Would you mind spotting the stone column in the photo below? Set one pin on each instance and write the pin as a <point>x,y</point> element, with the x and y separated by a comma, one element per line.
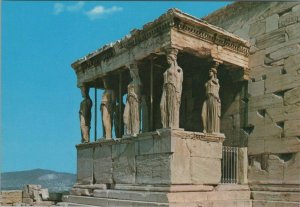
<point>85,114</point>
<point>211,109</point>
<point>107,108</point>
<point>132,108</point>
<point>172,89</point>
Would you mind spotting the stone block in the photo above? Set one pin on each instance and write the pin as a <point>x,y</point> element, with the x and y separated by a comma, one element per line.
<point>180,162</point>
<point>45,194</point>
<point>153,169</point>
<point>256,146</point>
<point>289,18</point>
<point>257,28</point>
<point>281,82</point>
<point>278,47</point>
<point>146,146</point>
<point>282,145</point>
<point>27,200</point>
<point>292,169</point>
<point>292,96</point>
<point>256,88</point>
<point>292,64</point>
<point>199,148</point>
<point>231,203</point>
<point>205,170</point>
<point>145,196</point>
<point>266,130</point>
<point>265,101</point>
<point>43,203</point>
<point>292,128</point>
<point>187,197</point>
<point>293,31</point>
<point>272,23</point>
<point>162,144</point>
<point>276,196</point>
<point>292,112</point>
<point>103,164</point>
<point>85,166</point>
<point>270,39</point>
<point>124,163</point>
<point>257,59</point>
<point>228,195</point>
<point>81,191</point>
<point>268,170</point>
<point>285,52</point>
<point>274,204</point>
<point>296,8</point>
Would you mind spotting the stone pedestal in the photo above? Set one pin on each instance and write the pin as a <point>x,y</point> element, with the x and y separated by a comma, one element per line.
<point>168,167</point>
<point>163,157</point>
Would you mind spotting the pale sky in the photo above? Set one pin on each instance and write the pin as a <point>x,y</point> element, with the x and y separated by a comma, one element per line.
<point>40,100</point>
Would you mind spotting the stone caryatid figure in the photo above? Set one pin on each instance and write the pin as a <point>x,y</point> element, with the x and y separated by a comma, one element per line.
<point>131,115</point>
<point>85,115</point>
<point>107,110</point>
<point>211,110</point>
<point>172,89</point>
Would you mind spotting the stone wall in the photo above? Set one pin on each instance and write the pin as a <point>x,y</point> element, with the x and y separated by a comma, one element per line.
<point>273,29</point>
<point>164,157</point>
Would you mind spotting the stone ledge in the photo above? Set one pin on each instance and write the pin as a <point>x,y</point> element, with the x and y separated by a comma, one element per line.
<point>172,188</point>
<point>211,137</point>
<point>232,187</point>
<point>276,188</point>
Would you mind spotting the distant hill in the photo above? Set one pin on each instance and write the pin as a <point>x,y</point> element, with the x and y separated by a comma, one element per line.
<point>54,181</point>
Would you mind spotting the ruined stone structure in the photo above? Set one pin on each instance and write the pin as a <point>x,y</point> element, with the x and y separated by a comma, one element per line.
<point>273,98</point>
<point>189,84</point>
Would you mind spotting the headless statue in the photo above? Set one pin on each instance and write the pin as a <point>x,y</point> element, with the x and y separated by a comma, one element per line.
<point>85,115</point>
<point>172,89</point>
<point>211,110</point>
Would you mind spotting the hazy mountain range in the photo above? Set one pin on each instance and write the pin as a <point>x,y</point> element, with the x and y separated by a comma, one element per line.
<point>54,181</point>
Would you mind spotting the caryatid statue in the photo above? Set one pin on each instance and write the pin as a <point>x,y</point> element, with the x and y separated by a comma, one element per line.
<point>172,89</point>
<point>85,115</point>
<point>211,110</point>
<point>131,115</point>
<point>107,110</point>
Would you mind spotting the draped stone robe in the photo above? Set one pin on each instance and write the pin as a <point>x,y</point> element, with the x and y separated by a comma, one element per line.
<point>132,109</point>
<point>85,118</point>
<point>211,110</point>
<point>107,109</point>
<point>171,97</point>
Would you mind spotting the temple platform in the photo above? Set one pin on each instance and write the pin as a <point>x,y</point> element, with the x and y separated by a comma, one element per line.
<point>168,167</point>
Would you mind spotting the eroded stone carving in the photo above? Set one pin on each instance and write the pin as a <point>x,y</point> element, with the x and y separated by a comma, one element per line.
<point>211,110</point>
<point>132,108</point>
<point>85,114</point>
<point>172,89</point>
<point>107,109</point>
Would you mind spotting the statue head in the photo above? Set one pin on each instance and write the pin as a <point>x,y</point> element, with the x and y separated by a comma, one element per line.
<point>134,72</point>
<point>212,73</point>
<point>105,83</point>
<point>84,91</point>
<point>172,55</point>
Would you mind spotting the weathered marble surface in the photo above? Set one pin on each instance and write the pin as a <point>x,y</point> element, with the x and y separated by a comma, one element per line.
<point>163,157</point>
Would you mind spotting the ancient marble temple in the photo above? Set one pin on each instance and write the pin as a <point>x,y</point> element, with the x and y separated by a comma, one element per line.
<point>176,73</point>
